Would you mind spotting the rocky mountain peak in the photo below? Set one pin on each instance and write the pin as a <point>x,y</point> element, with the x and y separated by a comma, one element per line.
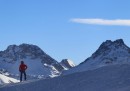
<point>22,51</point>
<point>66,63</point>
<point>30,48</point>
<point>120,41</point>
<point>109,45</point>
<point>25,48</point>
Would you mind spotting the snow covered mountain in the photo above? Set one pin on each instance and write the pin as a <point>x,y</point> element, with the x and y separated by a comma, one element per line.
<point>67,64</point>
<point>4,79</point>
<point>38,62</point>
<point>107,78</point>
<point>108,69</point>
<point>109,53</point>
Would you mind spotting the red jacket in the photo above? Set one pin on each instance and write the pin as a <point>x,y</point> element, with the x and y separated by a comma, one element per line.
<point>22,67</point>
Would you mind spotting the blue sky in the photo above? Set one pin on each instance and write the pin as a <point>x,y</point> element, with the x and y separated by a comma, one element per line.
<point>71,29</point>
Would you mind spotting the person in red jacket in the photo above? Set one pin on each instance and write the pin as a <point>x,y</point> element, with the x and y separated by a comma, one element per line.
<point>22,69</point>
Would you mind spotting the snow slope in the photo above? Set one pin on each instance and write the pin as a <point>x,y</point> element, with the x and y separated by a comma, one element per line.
<point>107,78</point>
<point>4,79</point>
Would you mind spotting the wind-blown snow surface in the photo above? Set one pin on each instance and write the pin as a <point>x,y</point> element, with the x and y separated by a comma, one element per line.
<point>108,78</point>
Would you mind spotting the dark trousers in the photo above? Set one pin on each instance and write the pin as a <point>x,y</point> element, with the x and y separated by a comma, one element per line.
<point>21,75</point>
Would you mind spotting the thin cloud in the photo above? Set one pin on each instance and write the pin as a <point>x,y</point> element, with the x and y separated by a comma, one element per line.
<point>117,22</point>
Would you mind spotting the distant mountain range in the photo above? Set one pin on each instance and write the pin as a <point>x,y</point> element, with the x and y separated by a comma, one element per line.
<point>41,65</point>
<point>108,69</point>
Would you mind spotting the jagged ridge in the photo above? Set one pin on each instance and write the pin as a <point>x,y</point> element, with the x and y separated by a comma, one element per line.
<point>109,53</point>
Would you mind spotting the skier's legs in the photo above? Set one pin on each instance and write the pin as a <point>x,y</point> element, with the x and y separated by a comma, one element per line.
<point>21,73</point>
<point>24,75</point>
